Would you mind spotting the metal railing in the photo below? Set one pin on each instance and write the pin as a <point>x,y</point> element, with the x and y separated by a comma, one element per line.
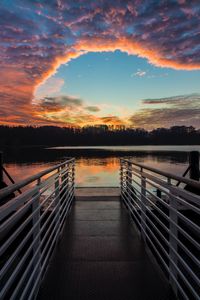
<point>168,218</point>
<point>31,224</point>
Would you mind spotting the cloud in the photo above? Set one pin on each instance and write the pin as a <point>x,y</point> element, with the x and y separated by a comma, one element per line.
<point>112,120</point>
<point>178,110</point>
<point>63,101</point>
<point>157,75</point>
<point>139,73</point>
<point>182,101</point>
<point>92,108</point>
<point>37,37</point>
<point>66,109</point>
<point>51,86</point>
<point>148,74</point>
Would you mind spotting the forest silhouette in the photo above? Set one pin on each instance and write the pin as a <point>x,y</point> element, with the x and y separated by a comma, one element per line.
<point>96,136</point>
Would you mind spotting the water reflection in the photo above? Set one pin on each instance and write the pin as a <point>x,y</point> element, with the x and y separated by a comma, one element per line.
<point>97,171</point>
<point>22,171</point>
<point>105,171</point>
<point>100,171</point>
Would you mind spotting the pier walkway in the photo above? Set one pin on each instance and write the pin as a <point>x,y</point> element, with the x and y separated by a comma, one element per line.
<point>139,241</point>
<point>100,255</point>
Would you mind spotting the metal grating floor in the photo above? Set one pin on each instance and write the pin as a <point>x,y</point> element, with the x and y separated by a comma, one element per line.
<point>100,257</point>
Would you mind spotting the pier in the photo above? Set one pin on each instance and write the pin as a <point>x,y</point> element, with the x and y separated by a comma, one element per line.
<point>140,240</point>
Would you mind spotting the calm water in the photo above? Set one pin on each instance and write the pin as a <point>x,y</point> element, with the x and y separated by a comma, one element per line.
<point>97,166</point>
<point>186,148</point>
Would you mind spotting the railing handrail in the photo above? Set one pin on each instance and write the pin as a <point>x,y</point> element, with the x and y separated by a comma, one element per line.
<point>18,185</point>
<point>167,221</point>
<point>190,182</point>
<point>31,226</point>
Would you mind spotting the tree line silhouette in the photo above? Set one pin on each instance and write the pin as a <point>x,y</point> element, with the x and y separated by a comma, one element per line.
<point>93,135</point>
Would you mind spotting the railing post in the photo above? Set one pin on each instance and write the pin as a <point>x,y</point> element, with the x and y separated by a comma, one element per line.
<point>64,181</point>
<point>57,201</point>
<point>36,231</point>
<point>158,193</point>
<point>73,176</point>
<point>121,174</point>
<point>173,234</point>
<point>143,206</point>
<point>194,164</point>
<point>129,176</point>
<point>1,167</point>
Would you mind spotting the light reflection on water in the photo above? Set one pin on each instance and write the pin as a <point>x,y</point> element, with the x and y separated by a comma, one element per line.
<point>102,171</point>
<point>105,171</point>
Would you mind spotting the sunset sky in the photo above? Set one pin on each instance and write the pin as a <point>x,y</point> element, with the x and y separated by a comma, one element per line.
<point>82,63</point>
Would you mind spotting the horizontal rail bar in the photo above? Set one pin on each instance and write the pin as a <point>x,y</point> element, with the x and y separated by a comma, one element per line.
<point>190,182</point>
<point>14,187</point>
<point>168,222</point>
<point>31,224</point>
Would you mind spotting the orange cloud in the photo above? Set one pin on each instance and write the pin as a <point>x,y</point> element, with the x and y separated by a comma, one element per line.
<point>32,48</point>
<point>99,44</point>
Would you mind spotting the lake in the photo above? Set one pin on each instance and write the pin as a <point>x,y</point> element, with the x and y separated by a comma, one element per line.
<point>99,165</point>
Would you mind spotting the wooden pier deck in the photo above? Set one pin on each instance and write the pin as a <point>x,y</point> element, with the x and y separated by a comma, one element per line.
<point>100,255</point>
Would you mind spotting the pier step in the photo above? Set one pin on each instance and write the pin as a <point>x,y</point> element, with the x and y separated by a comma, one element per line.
<point>100,256</point>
